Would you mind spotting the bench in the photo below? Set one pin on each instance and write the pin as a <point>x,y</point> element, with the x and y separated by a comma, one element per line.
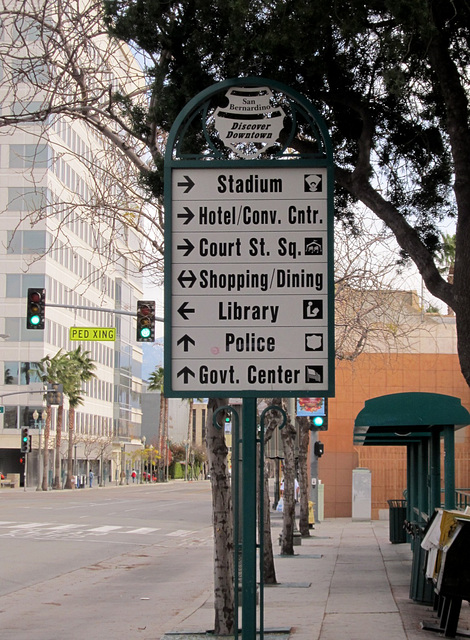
<point>7,483</point>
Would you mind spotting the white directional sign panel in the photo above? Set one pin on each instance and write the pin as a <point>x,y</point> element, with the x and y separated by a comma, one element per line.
<point>250,278</point>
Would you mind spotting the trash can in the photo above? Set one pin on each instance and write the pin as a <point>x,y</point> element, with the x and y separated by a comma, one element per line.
<point>397,532</point>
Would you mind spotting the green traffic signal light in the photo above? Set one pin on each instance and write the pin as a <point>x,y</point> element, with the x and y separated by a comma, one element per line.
<point>318,421</point>
<point>34,320</point>
<point>145,332</point>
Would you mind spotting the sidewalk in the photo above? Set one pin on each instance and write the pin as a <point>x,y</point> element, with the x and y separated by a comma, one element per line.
<point>345,582</point>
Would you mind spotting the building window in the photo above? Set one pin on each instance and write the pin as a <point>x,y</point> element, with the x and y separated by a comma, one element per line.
<point>17,284</point>
<point>26,198</point>
<point>20,373</point>
<point>16,329</point>
<point>23,156</point>
<point>10,373</point>
<point>21,242</point>
<point>17,417</point>
<point>10,418</point>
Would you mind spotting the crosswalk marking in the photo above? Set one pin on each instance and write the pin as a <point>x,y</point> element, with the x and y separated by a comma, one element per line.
<point>180,533</point>
<point>54,530</point>
<point>30,525</point>
<point>65,527</point>
<point>143,530</point>
<point>104,529</point>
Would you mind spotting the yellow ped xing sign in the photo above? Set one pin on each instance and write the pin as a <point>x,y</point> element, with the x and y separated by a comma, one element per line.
<point>97,334</point>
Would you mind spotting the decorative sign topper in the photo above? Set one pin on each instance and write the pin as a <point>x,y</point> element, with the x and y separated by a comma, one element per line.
<point>251,123</point>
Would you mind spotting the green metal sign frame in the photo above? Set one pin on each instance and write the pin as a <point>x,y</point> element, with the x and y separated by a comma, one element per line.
<point>194,146</point>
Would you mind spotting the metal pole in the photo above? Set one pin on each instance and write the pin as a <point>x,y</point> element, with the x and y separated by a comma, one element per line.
<point>435,470</point>
<point>249,519</point>
<point>38,423</point>
<point>25,470</point>
<point>314,474</point>
<point>449,467</point>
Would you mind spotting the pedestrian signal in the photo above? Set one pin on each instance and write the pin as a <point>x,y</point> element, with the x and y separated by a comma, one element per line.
<point>318,449</point>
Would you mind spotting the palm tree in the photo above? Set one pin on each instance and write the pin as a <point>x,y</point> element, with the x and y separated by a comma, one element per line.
<point>155,383</point>
<point>51,370</point>
<point>81,369</point>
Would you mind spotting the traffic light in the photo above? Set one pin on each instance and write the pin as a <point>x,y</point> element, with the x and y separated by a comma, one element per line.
<point>35,309</point>
<point>318,449</point>
<point>24,440</point>
<point>145,321</point>
<point>320,422</point>
<point>54,394</point>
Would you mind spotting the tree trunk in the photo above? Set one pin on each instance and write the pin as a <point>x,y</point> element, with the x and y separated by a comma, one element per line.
<point>272,421</point>
<point>269,570</point>
<point>304,439</point>
<point>58,441</point>
<point>288,520</point>
<point>45,463</point>
<point>69,484</point>
<point>222,523</point>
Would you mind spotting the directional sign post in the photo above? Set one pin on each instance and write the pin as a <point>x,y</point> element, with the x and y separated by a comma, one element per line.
<point>250,297</point>
<point>249,290</point>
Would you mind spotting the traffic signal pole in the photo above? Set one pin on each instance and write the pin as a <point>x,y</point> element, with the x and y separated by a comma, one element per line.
<point>25,471</point>
<point>120,312</point>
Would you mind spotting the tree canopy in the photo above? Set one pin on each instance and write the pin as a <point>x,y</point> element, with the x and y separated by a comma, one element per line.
<point>390,79</point>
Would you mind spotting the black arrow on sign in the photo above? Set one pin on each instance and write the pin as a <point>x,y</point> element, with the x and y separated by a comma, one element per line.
<point>189,184</point>
<point>186,372</point>
<point>187,247</point>
<point>183,311</point>
<point>182,279</point>
<point>187,217</point>
<point>186,340</point>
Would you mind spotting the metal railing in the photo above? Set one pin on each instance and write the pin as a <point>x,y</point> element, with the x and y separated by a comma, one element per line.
<point>462,499</point>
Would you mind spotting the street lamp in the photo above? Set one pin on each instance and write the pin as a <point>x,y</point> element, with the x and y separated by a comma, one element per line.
<point>151,462</point>
<point>122,464</point>
<point>38,425</point>
<point>186,458</point>
<point>142,458</point>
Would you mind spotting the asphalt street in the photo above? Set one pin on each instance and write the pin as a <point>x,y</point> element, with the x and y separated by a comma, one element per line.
<point>118,562</point>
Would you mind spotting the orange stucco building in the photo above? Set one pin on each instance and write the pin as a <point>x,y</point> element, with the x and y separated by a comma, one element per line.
<point>427,361</point>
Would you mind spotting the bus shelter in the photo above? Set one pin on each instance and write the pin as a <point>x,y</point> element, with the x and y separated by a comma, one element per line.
<point>418,421</point>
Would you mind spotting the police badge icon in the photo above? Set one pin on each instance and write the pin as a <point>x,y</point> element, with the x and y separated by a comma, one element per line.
<point>251,123</point>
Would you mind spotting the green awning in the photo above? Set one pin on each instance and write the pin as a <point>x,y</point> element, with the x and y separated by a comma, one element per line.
<point>402,418</point>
